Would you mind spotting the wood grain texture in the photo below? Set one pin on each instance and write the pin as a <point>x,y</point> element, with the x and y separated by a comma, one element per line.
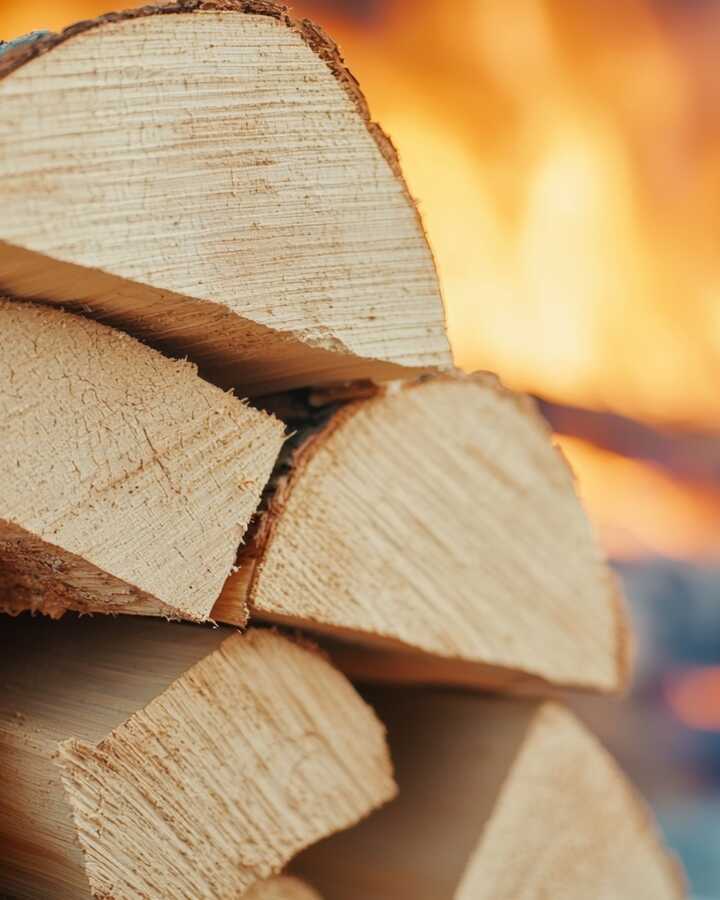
<point>126,482</point>
<point>282,888</point>
<point>142,759</point>
<point>437,521</point>
<point>499,800</point>
<point>230,198</point>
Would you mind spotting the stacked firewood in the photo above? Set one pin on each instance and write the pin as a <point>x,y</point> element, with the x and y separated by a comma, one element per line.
<point>197,208</point>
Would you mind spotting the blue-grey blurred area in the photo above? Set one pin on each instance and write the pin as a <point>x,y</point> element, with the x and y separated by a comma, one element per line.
<point>666,734</point>
<point>22,41</point>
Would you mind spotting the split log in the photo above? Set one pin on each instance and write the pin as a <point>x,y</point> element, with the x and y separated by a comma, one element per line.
<point>436,521</point>
<point>223,194</point>
<point>126,482</point>
<point>142,759</point>
<point>498,800</point>
<point>281,888</point>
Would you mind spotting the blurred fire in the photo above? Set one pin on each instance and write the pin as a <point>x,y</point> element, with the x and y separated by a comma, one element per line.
<point>567,170</point>
<point>641,511</point>
<point>568,192</point>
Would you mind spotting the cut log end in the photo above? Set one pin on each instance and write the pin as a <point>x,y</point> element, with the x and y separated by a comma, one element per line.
<point>531,806</point>
<point>435,520</point>
<point>316,274</point>
<point>126,482</point>
<point>234,765</point>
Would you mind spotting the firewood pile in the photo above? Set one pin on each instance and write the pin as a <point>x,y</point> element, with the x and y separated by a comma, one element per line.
<point>289,604</point>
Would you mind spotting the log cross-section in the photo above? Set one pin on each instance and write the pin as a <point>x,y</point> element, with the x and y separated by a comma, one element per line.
<point>435,524</point>
<point>206,176</point>
<point>142,759</point>
<point>498,800</point>
<point>126,481</point>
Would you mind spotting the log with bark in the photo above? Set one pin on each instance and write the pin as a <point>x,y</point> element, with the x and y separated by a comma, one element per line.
<point>498,800</point>
<point>435,523</point>
<point>126,481</point>
<point>205,174</point>
<point>142,759</point>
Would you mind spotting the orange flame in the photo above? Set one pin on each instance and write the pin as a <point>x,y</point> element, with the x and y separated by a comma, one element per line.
<point>567,173</point>
<point>568,200</point>
<point>639,510</point>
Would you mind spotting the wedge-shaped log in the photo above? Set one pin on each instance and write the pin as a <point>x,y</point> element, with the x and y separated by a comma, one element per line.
<point>498,800</point>
<point>437,521</point>
<point>224,196</point>
<point>126,482</point>
<point>281,888</point>
<point>142,759</point>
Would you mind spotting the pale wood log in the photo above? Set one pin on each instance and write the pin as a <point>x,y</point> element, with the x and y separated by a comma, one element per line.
<point>498,800</point>
<point>126,481</point>
<point>206,175</point>
<point>142,759</point>
<point>281,888</point>
<point>436,522</point>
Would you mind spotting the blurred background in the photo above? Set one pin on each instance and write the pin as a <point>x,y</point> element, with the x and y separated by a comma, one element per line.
<point>565,155</point>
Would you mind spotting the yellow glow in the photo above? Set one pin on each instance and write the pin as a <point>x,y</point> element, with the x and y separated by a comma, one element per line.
<point>567,209</point>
